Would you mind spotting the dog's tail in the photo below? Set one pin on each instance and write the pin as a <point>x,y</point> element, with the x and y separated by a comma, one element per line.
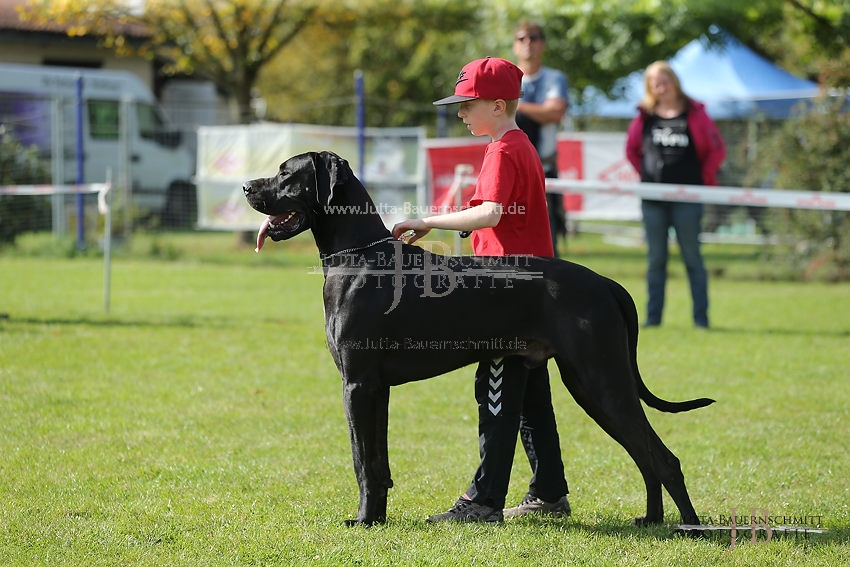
<point>627,306</point>
<point>654,401</point>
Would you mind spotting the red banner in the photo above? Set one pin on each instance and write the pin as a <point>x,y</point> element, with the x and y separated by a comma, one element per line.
<point>442,161</point>
<point>571,166</point>
<point>444,155</point>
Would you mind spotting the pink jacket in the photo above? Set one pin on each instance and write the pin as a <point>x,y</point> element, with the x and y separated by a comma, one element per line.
<point>708,143</point>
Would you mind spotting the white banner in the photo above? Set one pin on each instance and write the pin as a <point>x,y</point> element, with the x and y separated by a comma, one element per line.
<point>228,156</point>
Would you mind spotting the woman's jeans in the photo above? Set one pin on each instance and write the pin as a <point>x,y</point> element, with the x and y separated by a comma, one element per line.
<point>686,219</point>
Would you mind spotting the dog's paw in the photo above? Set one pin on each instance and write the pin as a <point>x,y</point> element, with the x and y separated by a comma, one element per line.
<point>351,523</point>
<point>643,521</point>
<point>364,523</point>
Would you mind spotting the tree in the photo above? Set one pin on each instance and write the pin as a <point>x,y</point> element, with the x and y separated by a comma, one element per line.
<point>408,49</point>
<point>808,152</point>
<point>405,69</point>
<point>596,43</point>
<point>812,149</point>
<point>226,41</point>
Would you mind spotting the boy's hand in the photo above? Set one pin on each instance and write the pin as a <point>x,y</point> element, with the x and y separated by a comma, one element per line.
<point>414,229</point>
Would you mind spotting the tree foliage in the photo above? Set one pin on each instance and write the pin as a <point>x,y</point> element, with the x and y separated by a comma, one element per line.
<point>300,55</point>
<point>312,80</point>
<point>21,165</point>
<point>809,152</point>
<point>594,43</point>
<point>597,43</point>
<point>228,41</point>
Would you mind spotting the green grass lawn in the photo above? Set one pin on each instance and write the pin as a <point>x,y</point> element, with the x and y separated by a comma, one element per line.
<point>200,421</point>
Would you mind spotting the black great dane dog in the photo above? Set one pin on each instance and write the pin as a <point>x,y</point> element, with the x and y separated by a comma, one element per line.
<point>466,309</point>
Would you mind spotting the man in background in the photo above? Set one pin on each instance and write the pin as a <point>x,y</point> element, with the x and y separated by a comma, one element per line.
<point>541,108</point>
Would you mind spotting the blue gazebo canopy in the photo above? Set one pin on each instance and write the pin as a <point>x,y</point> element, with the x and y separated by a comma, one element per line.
<point>731,79</point>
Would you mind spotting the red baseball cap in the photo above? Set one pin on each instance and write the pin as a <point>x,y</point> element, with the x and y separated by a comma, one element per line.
<point>488,78</point>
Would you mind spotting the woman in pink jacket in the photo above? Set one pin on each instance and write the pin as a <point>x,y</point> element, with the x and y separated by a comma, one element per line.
<point>673,140</point>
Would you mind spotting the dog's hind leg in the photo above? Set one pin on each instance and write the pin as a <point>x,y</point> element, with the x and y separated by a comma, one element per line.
<point>658,465</point>
<point>661,466</point>
<point>668,468</point>
<point>653,459</point>
<point>367,411</point>
<point>654,501</point>
<point>615,406</point>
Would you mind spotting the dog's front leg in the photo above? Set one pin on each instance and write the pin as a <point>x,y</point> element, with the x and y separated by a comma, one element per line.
<point>367,409</point>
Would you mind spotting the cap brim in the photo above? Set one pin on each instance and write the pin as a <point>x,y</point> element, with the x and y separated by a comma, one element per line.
<point>452,99</point>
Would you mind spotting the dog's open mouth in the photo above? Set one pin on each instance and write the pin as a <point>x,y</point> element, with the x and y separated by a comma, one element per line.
<point>279,227</point>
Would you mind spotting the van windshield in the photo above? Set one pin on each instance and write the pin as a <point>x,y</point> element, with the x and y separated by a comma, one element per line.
<point>153,127</point>
<point>149,121</point>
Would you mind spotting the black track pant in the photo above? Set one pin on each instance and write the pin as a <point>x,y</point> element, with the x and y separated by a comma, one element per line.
<point>514,399</point>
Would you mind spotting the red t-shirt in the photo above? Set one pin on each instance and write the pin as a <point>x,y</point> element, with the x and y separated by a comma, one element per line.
<point>512,175</point>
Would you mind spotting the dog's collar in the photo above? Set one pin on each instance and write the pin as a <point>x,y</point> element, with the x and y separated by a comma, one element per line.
<point>355,248</point>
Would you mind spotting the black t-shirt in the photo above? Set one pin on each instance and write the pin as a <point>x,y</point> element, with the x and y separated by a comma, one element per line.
<point>669,155</point>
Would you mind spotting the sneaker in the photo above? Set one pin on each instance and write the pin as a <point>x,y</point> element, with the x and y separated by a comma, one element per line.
<point>534,505</point>
<point>466,510</point>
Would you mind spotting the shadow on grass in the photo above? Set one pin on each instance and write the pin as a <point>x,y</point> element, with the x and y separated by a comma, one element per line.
<point>605,526</point>
<point>622,529</point>
<point>608,526</point>
<point>615,527</point>
<point>196,321</point>
<point>182,321</point>
<point>780,332</point>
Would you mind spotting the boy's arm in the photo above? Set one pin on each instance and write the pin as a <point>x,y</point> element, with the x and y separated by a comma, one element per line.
<point>484,215</point>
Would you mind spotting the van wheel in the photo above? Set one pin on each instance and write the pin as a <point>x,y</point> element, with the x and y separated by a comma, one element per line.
<point>181,206</point>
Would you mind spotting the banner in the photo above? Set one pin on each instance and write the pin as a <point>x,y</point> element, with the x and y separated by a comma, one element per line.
<point>604,159</point>
<point>581,156</point>
<point>444,155</point>
<point>230,155</point>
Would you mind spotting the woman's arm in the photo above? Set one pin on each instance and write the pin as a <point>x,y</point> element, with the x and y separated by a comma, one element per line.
<point>634,142</point>
<point>710,146</point>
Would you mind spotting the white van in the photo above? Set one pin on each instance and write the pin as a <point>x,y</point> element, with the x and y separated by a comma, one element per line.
<point>153,156</point>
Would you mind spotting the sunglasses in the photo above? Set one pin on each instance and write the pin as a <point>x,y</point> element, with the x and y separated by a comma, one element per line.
<point>531,38</point>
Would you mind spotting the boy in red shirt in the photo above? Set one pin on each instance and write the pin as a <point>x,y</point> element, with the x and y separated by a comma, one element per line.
<point>507,215</point>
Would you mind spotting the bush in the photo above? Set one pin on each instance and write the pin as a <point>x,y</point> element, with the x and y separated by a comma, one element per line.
<point>810,152</point>
<point>20,165</point>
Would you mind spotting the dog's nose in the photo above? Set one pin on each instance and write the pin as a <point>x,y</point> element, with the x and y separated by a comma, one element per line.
<point>246,188</point>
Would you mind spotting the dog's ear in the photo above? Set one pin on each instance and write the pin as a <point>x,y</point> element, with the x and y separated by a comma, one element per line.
<point>339,172</point>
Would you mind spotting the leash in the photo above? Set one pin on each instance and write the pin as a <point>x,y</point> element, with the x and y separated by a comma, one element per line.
<point>356,248</point>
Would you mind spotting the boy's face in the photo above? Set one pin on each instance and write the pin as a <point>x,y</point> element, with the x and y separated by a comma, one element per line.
<point>478,115</point>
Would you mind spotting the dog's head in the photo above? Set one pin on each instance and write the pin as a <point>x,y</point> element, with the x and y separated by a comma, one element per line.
<point>297,194</point>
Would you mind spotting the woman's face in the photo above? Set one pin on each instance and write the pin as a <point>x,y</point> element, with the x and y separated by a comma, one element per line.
<point>661,87</point>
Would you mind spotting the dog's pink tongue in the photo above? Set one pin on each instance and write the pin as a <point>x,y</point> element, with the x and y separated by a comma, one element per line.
<point>261,234</point>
